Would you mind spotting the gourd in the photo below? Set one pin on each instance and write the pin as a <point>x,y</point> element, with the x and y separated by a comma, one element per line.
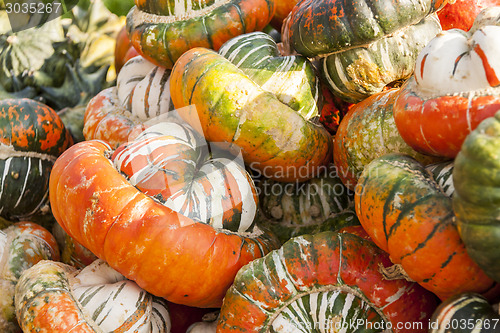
<point>476,200</point>
<point>455,87</point>
<point>162,31</point>
<point>406,213</point>
<point>465,312</point>
<point>362,46</point>
<point>366,132</point>
<point>140,97</point>
<point>319,204</point>
<point>32,136</point>
<point>55,297</point>
<point>162,201</point>
<point>227,106</point>
<point>323,282</point>
<point>22,245</point>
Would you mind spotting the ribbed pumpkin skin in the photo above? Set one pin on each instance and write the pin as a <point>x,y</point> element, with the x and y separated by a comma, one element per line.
<point>22,245</point>
<point>465,313</point>
<point>31,137</point>
<point>456,85</point>
<point>315,281</point>
<point>366,132</point>
<point>163,30</point>
<point>165,252</point>
<point>355,74</point>
<point>53,297</point>
<point>323,27</point>
<point>406,214</point>
<point>476,198</point>
<point>275,140</point>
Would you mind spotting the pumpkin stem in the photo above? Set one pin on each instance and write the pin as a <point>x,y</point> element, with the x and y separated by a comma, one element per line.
<point>394,272</point>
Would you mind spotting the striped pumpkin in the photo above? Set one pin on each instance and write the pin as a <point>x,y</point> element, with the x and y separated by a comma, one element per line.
<point>319,204</point>
<point>407,215</point>
<point>456,85</point>
<point>54,297</point>
<point>275,140</point>
<point>443,175</point>
<point>292,79</point>
<point>22,245</point>
<point>162,31</point>
<point>366,132</point>
<point>323,282</point>
<point>363,46</point>
<point>171,230</point>
<point>464,313</point>
<point>32,136</point>
<point>141,95</point>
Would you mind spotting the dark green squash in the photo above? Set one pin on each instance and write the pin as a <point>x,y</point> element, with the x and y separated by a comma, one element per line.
<point>465,313</point>
<point>477,195</point>
<point>32,136</point>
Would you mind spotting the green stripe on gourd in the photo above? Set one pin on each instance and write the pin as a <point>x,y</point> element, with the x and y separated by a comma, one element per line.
<point>291,78</point>
<point>357,73</point>
<point>443,175</point>
<point>477,196</point>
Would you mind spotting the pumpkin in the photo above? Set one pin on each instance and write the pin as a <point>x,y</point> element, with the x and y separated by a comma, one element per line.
<point>72,252</point>
<point>55,297</point>
<point>22,245</point>
<point>366,132</point>
<point>407,215</point>
<point>124,50</point>
<point>227,106</point>
<point>319,204</point>
<point>362,46</point>
<point>460,14</point>
<point>32,136</point>
<point>140,96</point>
<point>323,282</point>
<point>443,175</point>
<point>466,312</point>
<point>169,188</point>
<point>283,8</point>
<point>475,199</point>
<point>163,30</point>
<point>455,87</point>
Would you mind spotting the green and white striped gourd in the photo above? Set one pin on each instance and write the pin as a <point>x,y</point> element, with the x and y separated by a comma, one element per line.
<point>443,175</point>
<point>320,204</point>
<point>55,297</point>
<point>291,78</point>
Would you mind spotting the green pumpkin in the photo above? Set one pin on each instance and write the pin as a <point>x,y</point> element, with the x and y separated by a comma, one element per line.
<point>477,195</point>
<point>363,45</point>
<point>465,313</point>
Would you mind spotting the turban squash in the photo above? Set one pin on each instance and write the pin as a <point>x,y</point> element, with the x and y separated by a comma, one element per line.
<point>162,212</point>
<point>229,106</point>
<point>22,245</point>
<point>54,297</point>
<point>455,86</point>
<point>407,214</point>
<point>362,46</point>
<point>366,132</point>
<point>32,136</point>
<point>324,282</point>
<point>141,96</point>
<point>163,30</point>
<point>476,194</point>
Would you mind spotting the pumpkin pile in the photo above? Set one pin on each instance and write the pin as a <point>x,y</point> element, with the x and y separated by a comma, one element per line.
<point>251,166</point>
